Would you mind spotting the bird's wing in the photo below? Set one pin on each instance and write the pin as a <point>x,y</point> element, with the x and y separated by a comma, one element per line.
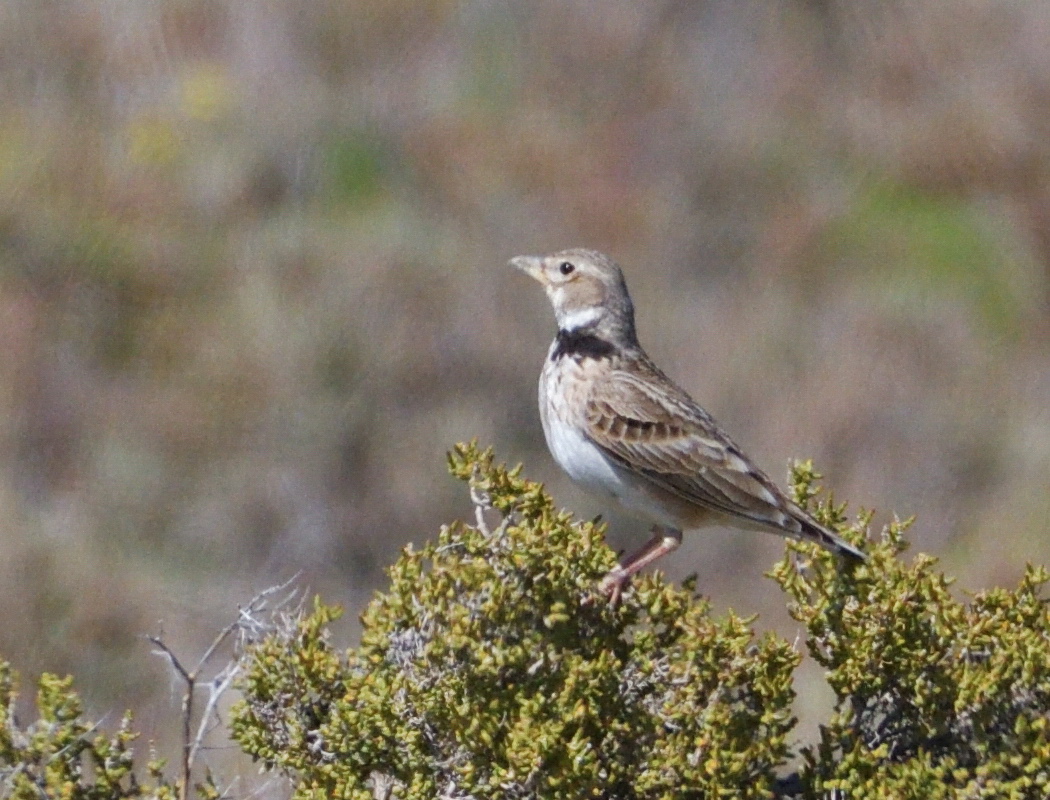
<point>649,426</point>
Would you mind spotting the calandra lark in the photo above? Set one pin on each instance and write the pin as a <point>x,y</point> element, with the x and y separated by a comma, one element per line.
<point>622,429</point>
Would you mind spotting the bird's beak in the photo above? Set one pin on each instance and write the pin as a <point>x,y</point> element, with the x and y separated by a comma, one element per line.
<point>530,265</point>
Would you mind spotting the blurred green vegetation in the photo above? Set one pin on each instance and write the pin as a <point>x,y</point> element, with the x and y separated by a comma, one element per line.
<point>252,284</point>
<point>354,165</point>
<point>913,245</point>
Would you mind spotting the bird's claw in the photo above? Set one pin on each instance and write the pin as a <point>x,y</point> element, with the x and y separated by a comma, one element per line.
<point>613,585</point>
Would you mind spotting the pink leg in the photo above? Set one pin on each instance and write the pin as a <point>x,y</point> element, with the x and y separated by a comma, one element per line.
<point>663,541</point>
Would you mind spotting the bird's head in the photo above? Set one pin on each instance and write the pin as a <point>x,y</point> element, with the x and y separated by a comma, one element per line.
<point>587,291</point>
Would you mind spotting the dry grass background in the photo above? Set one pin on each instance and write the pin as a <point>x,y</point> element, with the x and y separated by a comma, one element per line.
<point>252,282</point>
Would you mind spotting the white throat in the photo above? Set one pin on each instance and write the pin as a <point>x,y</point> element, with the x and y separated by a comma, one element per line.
<point>580,318</point>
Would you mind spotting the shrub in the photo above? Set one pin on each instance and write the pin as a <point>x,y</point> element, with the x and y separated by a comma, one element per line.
<point>60,755</point>
<point>491,668</point>
<point>936,698</point>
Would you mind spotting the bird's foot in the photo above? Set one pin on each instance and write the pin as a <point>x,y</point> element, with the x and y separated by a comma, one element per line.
<point>613,584</point>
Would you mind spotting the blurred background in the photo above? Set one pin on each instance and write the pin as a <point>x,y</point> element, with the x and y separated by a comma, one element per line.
<point>253,285</point>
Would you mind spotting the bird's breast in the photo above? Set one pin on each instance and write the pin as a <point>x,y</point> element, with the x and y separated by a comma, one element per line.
<point>562,398</point>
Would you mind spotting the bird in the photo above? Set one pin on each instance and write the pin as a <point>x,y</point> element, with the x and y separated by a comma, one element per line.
<point>624,431</point>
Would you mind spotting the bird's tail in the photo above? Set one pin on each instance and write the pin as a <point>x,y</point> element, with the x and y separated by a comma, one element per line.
<point>831,542</point>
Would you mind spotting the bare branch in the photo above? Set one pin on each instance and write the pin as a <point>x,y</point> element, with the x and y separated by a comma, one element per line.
<point>246,627</point>
<point>172,658</point>
<point>217,687</point>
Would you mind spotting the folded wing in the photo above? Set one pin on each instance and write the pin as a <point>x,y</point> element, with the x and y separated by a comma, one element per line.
<point>667,438</point>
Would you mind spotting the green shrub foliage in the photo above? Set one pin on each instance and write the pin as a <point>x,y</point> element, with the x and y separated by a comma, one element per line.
<point>937,698</point>
<point>61,755</point>
<point>491,668</point>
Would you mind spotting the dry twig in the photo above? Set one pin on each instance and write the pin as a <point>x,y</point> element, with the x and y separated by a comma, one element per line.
<point>246,628</point>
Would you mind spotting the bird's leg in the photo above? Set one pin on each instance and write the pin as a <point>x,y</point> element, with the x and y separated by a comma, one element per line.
<point>663,541</point>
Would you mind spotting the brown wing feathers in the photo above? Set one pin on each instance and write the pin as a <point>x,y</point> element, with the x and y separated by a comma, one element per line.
<point>681,450</point>
<point>687,458</point>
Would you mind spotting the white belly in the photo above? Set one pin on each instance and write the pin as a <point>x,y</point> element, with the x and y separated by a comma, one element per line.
<point>581,459</point>
<point>584,462</point>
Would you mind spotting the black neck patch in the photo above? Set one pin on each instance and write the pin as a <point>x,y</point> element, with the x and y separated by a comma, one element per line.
<point>581,344</point>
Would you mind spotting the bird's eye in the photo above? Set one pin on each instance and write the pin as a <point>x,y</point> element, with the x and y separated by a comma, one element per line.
<point>566,268</point>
